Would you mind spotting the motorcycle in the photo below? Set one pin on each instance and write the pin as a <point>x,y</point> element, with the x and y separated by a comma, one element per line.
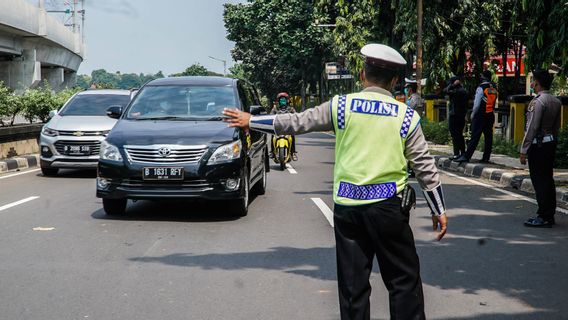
<point>282,150</point>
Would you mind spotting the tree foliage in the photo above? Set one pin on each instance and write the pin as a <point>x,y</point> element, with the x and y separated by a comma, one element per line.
<point>277,43</point>
<point>103,79</point>
<point>193,70</point>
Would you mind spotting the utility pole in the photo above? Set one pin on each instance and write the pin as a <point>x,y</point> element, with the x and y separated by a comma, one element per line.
<point>224,65</point>
<point>420,13</point>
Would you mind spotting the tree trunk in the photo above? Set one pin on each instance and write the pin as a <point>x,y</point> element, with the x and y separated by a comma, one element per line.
<point>419,47</point>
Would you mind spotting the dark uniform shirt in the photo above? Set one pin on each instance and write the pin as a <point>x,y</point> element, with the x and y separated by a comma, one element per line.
<point>543,118</point>
<point>458,100</point>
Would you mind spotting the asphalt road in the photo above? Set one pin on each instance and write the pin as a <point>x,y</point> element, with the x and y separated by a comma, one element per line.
<point>61,257</point>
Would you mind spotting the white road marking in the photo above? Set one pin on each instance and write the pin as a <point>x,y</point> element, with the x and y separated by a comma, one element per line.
<point>324,209</point>
<point>291,169</point>
<point>43,229</point>
<point>13,204</point>
<point>19,173</point>
<point>509,193</point>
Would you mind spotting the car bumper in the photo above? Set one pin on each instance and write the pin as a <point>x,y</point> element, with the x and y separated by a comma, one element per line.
<point>52,155</point>
<point>118,181</point>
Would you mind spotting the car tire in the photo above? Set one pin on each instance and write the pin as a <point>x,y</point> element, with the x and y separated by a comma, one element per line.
<point>241,205</point>
<point>260,186</point>
<point>49,172</point>
<point>114,207</point>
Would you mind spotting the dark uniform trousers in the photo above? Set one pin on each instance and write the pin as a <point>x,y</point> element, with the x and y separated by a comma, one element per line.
<point>541,163</point>
<point>481,124</point>
<point>456,124</point>
<point>381,230</point>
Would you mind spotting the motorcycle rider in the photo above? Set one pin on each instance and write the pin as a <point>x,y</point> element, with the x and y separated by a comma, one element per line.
<point>283,106</point>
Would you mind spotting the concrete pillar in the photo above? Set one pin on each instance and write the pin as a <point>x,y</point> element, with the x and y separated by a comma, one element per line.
<point>21,73</point>
<point>53,76</point>
<point>69,79</point>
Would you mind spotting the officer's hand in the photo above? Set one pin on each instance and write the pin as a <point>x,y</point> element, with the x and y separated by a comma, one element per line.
<point>237,118</point>
<point>523,159</point>
<point>440,222</point>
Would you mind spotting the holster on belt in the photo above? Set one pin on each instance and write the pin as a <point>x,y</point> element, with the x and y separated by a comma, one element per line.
<point>408,200</point>
<point>539,139</point>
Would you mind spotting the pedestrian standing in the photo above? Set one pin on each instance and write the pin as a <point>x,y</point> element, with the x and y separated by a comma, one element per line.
<point>539,144</point>
<point>482,118</point>
<point>458,109</point>
<point>375,136</point>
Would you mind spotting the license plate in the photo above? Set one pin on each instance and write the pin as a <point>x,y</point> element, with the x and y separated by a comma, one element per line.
<point>77,149</point>
<point>162,173</point>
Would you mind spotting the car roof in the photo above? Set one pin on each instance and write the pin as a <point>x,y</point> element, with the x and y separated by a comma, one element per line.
<point>196,80</point>
<point>104,91</point>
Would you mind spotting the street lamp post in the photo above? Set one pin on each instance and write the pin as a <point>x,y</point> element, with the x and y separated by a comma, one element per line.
<point>224,65</point>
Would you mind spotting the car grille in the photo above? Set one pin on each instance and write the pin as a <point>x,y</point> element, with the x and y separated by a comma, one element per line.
<point>94,147</point>
<point>79,133</point>
<point>155,155</point>
<point>193,185</point>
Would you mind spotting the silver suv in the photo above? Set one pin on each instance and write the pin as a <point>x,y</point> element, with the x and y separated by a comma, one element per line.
<point>72,137</point>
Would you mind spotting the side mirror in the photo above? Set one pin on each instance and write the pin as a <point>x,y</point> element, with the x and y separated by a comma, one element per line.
<point>257,110</point>
<point>52,113</point>
<point>133,92</point>
<point>114,111</point>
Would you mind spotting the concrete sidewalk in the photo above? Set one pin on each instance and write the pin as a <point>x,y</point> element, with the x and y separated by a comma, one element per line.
<point>504,170</point>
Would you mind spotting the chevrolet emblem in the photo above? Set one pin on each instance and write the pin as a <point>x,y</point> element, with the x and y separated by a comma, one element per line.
<point>78,133</point>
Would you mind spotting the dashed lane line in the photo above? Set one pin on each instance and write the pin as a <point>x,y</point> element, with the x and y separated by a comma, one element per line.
<point>324,209</point>
<point>509,193</point>
<point>291,169</point>
<point>19,173</point>
<point>13,204</point>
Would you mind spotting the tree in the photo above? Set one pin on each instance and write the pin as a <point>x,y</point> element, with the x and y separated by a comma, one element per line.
<point>195,69</point>
<point>547,34</point>
<point>278,44</point>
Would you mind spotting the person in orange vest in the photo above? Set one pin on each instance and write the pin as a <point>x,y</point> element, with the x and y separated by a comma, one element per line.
<point>482,118</point>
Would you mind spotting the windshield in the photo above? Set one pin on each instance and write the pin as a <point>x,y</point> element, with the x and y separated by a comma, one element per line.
<point>93,104</point>
<point>182,102</point>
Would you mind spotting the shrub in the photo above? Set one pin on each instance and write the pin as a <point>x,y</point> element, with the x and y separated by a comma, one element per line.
<point>501,146</point>
<point>561,158</point>
<point>436,132</point>
<point>38,103</point>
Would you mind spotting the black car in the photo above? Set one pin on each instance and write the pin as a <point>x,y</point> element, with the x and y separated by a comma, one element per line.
<point>171,142</point>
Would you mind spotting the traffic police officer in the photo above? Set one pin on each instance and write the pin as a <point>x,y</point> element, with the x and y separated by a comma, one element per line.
<point>414,99</point>
<point>375,136</point>
<point>539,144</point>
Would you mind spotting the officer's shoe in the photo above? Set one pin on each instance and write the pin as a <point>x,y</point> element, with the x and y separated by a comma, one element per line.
<point>484,161</point>
<point>539,222</point>
<point>295,156</point>
<point>461,159</point>
<point>454,157</point>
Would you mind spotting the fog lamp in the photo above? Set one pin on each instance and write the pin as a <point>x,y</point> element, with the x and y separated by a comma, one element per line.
<point>232,184</point>
<point>102,183</point>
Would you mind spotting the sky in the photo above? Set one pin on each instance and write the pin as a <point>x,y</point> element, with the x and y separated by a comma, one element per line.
<point>146,36</point>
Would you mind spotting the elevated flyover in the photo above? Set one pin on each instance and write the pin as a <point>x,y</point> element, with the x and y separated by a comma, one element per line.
<point>35,47</point>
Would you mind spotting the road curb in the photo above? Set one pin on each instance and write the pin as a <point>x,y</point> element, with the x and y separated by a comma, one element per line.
<point>18,163</point>
<point>504,177</point>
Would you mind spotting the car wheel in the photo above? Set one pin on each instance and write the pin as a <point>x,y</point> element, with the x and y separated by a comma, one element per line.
<point>241,205</point>
<point>114,207</point>
<point>49,172</point>
<point>260,187</point>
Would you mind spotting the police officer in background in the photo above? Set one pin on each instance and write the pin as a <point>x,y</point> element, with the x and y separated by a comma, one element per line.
<point>414,99</point>
<point>482,118</point>
<point>458,110</point>
<point>539,144</point>
<point>375,136</point>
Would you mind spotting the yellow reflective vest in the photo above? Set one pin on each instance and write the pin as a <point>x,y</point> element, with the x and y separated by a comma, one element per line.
<point>371,130</point>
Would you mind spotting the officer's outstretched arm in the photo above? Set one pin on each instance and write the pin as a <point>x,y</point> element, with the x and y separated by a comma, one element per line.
<point>314,119</point>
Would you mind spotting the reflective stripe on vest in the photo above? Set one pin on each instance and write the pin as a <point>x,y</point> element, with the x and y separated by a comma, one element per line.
<point>371,131</point>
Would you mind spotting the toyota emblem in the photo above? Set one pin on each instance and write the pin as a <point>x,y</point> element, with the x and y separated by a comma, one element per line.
<point>164,152</point>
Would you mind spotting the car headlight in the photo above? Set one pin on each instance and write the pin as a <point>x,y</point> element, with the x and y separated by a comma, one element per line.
<point>109,152</point>
<point>49,132</point>
<point>226,153</point>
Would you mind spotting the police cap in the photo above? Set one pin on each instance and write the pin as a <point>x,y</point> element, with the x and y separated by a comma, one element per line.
<point>379,55</point>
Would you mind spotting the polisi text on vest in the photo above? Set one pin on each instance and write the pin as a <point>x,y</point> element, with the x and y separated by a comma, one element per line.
<point>376,107</point>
